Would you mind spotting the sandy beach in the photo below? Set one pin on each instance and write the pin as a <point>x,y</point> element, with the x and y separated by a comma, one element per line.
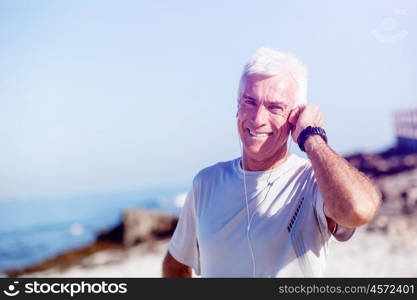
<point>367,254</point>
<point>372,254</point>
<point>385,247</point>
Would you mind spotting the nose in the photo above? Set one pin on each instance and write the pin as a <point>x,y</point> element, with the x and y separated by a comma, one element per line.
<point>260,116</point>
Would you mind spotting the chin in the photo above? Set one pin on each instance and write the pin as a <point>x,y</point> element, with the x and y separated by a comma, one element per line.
<point>255,154</point>
<point>252,149</point>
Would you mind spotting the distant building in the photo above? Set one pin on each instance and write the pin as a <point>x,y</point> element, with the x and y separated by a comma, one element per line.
<point>406,129</point>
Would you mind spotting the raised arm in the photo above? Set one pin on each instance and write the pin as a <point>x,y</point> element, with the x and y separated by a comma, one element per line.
<point>350,198</point>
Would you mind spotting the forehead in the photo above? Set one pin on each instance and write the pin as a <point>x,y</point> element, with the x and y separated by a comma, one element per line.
<point>269,88</point>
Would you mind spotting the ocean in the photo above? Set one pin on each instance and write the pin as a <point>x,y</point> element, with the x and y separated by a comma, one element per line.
<point>34,229</point>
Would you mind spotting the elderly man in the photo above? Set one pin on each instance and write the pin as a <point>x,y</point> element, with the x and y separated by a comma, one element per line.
<point>270,213</point>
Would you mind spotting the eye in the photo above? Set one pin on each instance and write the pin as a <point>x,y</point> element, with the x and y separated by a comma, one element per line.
<point>276,108</point>
<point>249,102</point>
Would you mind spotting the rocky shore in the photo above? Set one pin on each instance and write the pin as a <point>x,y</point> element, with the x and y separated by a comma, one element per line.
<point>395,174</point>
<point>140,232</point>
<point>384,247</point>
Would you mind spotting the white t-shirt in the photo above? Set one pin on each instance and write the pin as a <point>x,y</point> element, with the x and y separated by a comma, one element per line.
<point>288,230</point>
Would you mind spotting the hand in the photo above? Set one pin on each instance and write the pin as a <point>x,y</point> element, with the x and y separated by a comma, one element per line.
<point>303,116</point>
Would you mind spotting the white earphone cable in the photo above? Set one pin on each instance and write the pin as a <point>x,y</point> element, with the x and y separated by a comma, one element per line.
<point>249,218</point>
<point>247,215</point>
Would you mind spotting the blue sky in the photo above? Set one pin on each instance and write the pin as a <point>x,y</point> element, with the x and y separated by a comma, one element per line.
<point>111,95</point>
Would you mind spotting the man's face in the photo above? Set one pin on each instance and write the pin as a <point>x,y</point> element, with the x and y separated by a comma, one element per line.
<point>264,107</point>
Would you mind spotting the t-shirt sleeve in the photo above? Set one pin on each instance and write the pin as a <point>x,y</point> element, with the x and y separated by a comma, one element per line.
<point>183,245</point>
<point>340,233</point>
<point>319,212</point>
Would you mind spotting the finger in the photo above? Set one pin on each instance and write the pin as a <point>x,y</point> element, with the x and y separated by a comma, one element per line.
<point>320,122</point>
<point>293,116</point>
<point>317,118</point>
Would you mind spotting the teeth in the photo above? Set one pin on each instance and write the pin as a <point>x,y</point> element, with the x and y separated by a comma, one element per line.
<point>258,134</point>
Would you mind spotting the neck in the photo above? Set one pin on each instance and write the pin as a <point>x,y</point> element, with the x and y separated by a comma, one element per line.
<point>250,164</point>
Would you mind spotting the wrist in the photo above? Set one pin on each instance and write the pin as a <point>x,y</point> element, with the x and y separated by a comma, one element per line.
<point>313,142</point>
<point>308,132</point>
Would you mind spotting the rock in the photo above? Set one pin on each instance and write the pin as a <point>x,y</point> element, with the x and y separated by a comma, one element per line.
<point>389,162</point>
<point>137,226</point>
<point>115,234</point>
<point>399,191</point>
<point>402,231</point>
<point>141,225</point>
<point>410,200</point>
<point>395,174</point>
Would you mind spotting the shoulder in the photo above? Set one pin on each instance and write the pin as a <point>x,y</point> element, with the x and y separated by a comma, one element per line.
<point>301,167</point>
<point>216,171</point>
<point>302,176</point>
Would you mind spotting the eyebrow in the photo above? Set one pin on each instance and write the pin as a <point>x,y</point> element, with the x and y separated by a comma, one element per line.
<point>268,102</point>
<point>249,97</point>
<point>278,103</point>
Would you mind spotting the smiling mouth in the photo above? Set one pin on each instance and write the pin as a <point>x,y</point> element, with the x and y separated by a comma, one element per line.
<point>259,134</point>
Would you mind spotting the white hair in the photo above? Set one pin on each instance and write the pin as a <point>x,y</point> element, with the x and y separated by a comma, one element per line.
<point>270,62</point>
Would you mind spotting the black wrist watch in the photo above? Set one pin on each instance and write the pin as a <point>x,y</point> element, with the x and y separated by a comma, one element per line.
<point>310,131</point>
